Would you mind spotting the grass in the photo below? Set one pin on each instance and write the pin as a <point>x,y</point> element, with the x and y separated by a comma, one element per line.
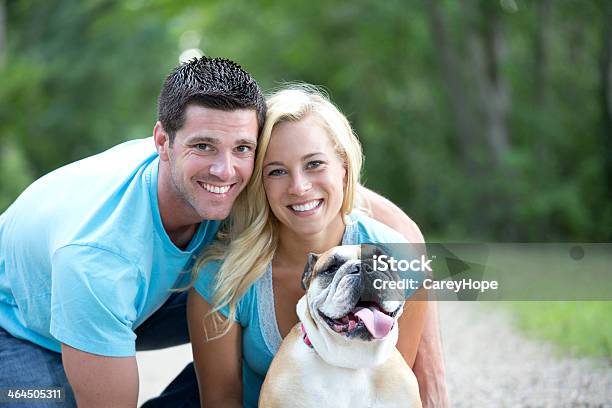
<point>556,294</point>
<point>582,328</point>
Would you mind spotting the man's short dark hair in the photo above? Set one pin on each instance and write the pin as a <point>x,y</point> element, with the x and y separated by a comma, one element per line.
<point>216,83</point>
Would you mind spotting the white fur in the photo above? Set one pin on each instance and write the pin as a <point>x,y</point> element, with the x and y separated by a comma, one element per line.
<point>336,349</point>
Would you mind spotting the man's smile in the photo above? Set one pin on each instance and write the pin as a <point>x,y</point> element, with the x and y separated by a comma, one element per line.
<point>216,189</point>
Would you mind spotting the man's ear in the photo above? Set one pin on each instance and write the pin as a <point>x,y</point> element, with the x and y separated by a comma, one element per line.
<point>312,260</point>
<point>162,141</point>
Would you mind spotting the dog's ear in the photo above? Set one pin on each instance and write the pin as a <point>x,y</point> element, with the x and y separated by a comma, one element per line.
<point>310,263</point>
<point>368,251</point>
<point>380,250</point>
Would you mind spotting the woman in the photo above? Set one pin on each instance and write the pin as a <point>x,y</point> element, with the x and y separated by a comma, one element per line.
<point>307,166</point>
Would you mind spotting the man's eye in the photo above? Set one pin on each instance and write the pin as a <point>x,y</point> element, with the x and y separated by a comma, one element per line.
<point>203,146</point>
<point>244,149</point>
<point>277,172</point>
<point>314,164</point>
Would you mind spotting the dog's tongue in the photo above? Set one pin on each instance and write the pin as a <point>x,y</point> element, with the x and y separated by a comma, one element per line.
<point>377,323</point>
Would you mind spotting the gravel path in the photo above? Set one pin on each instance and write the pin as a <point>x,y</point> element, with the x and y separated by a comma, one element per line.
<point>156,369</point>
<point>489,364</point>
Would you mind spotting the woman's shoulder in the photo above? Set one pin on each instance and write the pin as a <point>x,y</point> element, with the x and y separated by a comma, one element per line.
<point>205,280</point>
<point>205,283</point>
<point>363,229</point>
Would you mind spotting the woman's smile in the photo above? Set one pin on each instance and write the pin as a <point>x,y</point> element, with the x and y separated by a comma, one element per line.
<point>306,208</point>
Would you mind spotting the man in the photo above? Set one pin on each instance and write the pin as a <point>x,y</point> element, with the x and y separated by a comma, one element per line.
<point>90,252</point>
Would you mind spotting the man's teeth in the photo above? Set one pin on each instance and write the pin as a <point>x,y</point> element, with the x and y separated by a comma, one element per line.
<point>305,207</point>
<point>215,189</point>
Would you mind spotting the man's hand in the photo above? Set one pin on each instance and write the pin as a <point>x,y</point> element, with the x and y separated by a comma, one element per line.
<point>391,215</point>
<point>99,381</point>
<point>429,364</point>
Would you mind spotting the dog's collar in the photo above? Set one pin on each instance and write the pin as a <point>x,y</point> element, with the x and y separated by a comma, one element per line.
<point>305,336</point>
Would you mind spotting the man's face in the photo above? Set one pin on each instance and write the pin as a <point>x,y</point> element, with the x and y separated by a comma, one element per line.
<point>211,159</point>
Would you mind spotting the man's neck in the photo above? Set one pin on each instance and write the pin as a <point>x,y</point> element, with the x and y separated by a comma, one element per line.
<point>180,232</point>
<point>182,237</point>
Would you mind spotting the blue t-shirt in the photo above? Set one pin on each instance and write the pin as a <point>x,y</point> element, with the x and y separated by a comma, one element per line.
<point>255,311</point>
<point>84,257</point>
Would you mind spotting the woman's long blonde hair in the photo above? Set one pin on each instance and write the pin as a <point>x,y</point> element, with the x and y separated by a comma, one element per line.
<point>247,243</point>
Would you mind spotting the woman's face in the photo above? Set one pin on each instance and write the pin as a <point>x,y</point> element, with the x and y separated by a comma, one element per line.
<point>303,177</point>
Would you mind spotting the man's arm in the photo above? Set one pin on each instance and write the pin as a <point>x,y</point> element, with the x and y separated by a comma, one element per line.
<point>99,381</point>
<point>429,363</point>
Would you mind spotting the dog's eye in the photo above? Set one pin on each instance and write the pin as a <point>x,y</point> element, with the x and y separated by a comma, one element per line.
<point>333,268</point>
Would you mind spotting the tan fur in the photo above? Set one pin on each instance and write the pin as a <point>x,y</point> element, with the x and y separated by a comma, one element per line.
<point>282,370</point>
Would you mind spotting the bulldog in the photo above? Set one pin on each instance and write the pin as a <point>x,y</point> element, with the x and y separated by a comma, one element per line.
<point>342,353</point>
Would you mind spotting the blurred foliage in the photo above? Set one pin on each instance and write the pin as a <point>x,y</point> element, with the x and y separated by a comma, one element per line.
<point>509,141</point>
<point>16,173</point>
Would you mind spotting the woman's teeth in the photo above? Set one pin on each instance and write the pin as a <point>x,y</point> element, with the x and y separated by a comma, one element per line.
<point>215,189</point>
<point>306,206</point>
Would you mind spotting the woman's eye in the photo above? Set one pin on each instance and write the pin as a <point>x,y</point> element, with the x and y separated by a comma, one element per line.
<point>314,164</point>
<point>277,172</point>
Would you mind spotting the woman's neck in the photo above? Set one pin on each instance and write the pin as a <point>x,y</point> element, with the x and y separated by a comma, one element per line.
<point>293,249</point>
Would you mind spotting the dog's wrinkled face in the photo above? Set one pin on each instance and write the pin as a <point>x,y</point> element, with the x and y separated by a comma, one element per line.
<point>341,293</point>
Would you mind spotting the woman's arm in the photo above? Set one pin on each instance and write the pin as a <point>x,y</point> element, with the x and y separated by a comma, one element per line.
<point>428,366</point>
<point>217,362</point>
